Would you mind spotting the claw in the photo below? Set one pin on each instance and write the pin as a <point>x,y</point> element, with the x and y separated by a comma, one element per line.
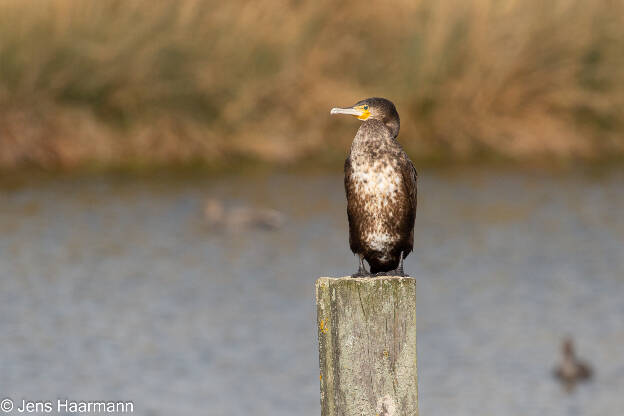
<point>362,272</point>
<point>399,270</point>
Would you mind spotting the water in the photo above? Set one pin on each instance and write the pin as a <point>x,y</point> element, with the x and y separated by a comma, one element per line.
<point>117,290</point>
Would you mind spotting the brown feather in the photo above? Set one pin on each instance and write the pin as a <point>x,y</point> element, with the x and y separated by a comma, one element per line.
<point>381,190</point>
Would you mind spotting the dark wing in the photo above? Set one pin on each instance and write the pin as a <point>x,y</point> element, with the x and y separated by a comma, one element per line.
<point>410,187</point>
<point>585,371</point>
<point>354,235</point>
<point>558,373</point>
<point>410,179</point>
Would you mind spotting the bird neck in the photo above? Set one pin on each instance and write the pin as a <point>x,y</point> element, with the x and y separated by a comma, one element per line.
<point>568,350</point>
<point>372,131</point>
<point>373,127</point>
<point>393,124</point>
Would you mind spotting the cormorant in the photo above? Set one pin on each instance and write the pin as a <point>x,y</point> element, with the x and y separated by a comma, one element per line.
<point>571,370</point>
<point>220,217</point>
<point>380,183</point>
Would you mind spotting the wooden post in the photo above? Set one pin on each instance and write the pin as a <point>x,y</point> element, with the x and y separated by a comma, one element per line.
<point>367,346</point>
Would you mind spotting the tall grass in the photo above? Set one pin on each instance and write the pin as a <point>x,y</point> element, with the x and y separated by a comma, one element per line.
<point>114,82</point>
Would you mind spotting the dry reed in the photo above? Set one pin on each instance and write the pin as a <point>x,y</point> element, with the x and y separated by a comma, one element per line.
<point>113,82</point>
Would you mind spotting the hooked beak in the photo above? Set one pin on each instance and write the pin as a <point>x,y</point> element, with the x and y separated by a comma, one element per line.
<point>351,111</point>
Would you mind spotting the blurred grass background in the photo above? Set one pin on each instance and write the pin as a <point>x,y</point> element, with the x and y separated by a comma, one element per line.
<point>110,83</point>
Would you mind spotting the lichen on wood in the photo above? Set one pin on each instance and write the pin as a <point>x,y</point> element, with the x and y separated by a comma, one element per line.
<point>367,346</point>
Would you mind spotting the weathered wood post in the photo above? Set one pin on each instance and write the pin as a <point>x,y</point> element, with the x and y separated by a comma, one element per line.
<point>367,346</point>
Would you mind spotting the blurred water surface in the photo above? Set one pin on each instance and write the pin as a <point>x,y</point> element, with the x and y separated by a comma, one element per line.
<point>117,290</point>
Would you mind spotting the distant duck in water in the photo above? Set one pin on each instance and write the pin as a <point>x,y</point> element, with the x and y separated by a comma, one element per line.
<point>217,216</point>
<point>380,183</point>
<point>571,370</point>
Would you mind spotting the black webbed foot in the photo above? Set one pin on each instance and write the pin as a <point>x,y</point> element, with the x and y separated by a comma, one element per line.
<point>395,272</point>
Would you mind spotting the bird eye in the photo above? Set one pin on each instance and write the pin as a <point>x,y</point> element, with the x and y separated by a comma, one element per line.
<point>366,107</point>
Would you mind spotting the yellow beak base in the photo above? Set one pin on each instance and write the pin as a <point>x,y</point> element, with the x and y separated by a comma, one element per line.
<point>365,115</point>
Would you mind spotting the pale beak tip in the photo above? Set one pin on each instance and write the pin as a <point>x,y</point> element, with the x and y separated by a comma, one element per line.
<point>350,111</point>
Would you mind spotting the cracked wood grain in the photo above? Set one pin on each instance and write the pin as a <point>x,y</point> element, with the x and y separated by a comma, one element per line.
<point>367,346</point>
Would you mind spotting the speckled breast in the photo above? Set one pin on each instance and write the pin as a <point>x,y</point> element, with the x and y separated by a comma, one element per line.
<point>378,193</point>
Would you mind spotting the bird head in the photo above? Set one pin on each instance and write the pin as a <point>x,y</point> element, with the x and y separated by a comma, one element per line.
<point>374,109</point>
<point>568,347</point>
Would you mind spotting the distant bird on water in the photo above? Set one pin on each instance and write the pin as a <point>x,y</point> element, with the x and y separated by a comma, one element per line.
<point>571,370</point>
<point>380,182</point>
<point>220,217</point>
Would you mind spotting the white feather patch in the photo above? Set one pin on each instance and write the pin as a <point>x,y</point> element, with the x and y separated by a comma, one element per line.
<point>377,185</point>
